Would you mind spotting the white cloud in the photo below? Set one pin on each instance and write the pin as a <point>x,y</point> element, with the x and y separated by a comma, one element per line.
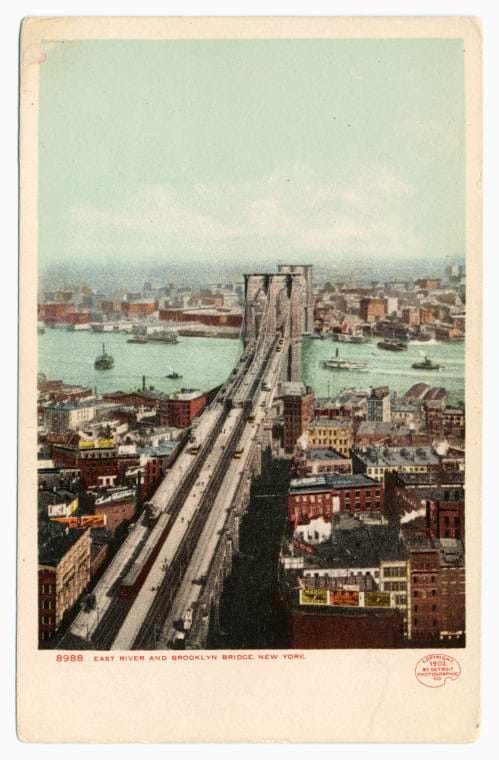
<point>368,214</point>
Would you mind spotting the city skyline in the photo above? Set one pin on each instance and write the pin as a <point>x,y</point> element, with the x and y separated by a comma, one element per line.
<point>363,155</point>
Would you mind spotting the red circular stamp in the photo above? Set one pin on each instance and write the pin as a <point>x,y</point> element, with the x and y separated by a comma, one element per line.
<point>433,670</point>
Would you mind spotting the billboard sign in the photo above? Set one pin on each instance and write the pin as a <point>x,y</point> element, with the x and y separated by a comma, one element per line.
<point>63,509</point>
<point>377,599</point>
<point>314,596</point>
<point>98,443</point>
<point>344,598</point>
<point>83,521</point>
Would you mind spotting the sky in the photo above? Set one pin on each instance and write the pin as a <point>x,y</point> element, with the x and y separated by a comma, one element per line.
<point>300,150</point>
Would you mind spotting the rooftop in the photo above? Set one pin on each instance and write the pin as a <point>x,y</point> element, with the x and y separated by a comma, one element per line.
<point>330,482</point>
<point>327,422</point>
<point>397,456</point>
<point>293,389</point>
<point>432,479</point>
<point>416,392</point>
<point>355,544</point>
<point>71,405</point>
<point>451,552</point>
<point>383,428</point>
<point>187,394</point>
<point>435,394</point>
<point>330,454</point>
<point>54,540</point>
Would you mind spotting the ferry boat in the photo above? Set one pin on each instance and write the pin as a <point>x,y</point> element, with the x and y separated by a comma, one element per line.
<point>104,360</point>
<point>173,375</point>
<point>426,364</point>
<point>392,344</point>
<point>349,338</point>
<point>163,336</point>
<point>347,364</point>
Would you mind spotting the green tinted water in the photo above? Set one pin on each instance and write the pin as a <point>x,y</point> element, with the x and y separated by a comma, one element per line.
<point>207,362</point>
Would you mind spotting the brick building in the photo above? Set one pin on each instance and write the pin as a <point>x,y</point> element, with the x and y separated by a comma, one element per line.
<point>131,309</point>
<point>117,509</point>
<point>63,573</point>
<point>437,591</point>
<point>180,409</point>
<point>54,312</point>
<point>343,628</point>
<point>372,309</point>
<point>98,463</point>
<point>137,399</point>
<point>210,317</point>
<point>78,318</point>
<point>298,410</point>
<point>411,316</point>
<point>445,519</point>
<point>309,498</point>
<point>333,433</point>
<point>445,423</point>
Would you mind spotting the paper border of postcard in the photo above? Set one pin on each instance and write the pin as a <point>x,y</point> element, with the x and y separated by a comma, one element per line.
<point>329,695</point>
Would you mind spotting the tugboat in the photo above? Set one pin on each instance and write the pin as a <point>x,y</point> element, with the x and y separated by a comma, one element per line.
<point>173,375</point>
<point>337,363</point>
<point>426,364</point>
<point>104,361</point>
<point>392,344</point>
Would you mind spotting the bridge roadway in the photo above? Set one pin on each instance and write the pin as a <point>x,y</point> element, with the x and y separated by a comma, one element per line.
<point>99,624</point>
<point>154,600</point>
<point>192,586</point>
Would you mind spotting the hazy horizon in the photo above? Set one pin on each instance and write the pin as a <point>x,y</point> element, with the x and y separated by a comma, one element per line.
<point>323,151</point>
<point>109,276</point>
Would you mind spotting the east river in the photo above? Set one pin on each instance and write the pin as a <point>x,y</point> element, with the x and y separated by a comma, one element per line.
<point>207,362</point>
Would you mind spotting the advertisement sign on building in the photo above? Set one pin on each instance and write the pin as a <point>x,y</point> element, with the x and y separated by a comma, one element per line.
<point>63,509</point>
<point>336,504</point>
<point>344,598</point>
<point>314,596</point>
<point>83,521</point>
<point>99,443</point>
<point>304,547</point>
<point>377,599</point>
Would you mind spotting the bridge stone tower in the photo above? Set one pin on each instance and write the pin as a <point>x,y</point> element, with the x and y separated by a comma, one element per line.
<point>285,292</point>
<point>306,272</point>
